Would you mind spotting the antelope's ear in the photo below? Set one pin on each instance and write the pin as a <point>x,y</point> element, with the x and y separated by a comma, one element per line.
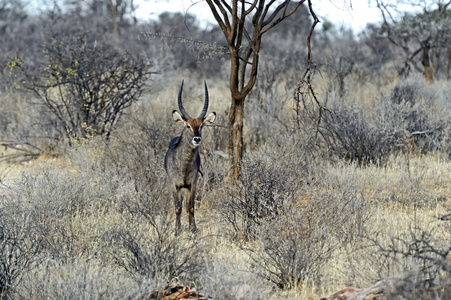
<point>210,118</point>
<point>178,117</point>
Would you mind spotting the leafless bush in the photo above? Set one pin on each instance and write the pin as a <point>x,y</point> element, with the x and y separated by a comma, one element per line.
<point>425,261</point>
<point>74,215</point>
<point>20,245</point>
<point>146,246</point>
<point>80,278</point>
<point>348,135</point>
<point>289,226</point>
<point>156,253</point>
<point>414,116</point>
<point>53,202</point>
<point>292,247</point>
<point>298,242</point>
<point>135,153</point>
<point>257,197</point>
<point>85,85</point>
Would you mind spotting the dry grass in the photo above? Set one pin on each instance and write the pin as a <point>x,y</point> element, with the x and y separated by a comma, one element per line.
<point>407,196</point>
<point>107,222</point>
<point>411,192</point>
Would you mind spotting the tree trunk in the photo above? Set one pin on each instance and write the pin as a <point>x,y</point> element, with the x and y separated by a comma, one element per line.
<point>236,137</point>
<point>113,11</point>
<point>426,64</point>
<point>435,62</point>
<point>448,63</point>
<point>237,79</point>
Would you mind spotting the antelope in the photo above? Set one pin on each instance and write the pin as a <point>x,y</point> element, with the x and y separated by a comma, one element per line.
<point>182,160</point>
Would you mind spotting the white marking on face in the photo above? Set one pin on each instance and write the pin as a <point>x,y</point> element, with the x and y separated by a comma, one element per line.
<point>196,141</point>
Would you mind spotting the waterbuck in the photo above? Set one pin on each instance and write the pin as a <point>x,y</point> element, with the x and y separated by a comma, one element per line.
<point>182,161</point>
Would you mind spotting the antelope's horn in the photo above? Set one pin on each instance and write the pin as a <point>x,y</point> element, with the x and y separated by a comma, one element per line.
<point>181,108</point>
<point>204,110</point>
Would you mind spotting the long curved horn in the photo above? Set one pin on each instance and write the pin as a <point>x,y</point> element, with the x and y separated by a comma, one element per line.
<point>204,110</point>
<point>182,109</point>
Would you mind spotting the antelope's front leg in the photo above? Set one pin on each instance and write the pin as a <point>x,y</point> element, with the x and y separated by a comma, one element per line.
<point>178,209</point>
<point>190,209</point>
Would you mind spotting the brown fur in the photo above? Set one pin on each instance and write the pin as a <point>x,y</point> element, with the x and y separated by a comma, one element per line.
<point>194,122</point>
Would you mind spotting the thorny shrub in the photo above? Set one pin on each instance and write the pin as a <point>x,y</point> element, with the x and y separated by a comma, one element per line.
<point>96,213</point>
<point>298,242</point>
<point>20,245</point>
<point>293,246</point>
<point>257,197</point>
<point>349,136</point>
<point>414,115</point>
<point>289,227</point>
<point>85,85</point>
<point>424,261</point>
<point>55,202</point>
<point>410,117</point>
<point>154,251</point>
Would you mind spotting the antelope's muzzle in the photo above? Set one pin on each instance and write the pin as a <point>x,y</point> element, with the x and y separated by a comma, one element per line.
<point>197,140</point>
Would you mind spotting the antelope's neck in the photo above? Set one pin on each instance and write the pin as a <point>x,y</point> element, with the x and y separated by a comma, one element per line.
<point>187,151</point>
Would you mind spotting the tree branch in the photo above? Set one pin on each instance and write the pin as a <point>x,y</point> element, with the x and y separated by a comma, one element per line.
<point>224,24</point>
<point>284,15</point>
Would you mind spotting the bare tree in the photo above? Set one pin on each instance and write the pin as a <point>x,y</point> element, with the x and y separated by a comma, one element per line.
<point>422,37</point>
<point>118,11</point>
<point>243,24</point>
